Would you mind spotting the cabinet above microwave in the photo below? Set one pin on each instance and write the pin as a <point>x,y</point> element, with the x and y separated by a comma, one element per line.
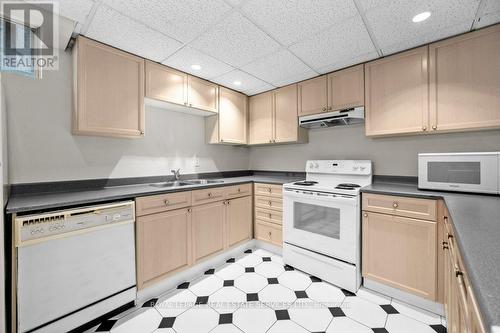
<point>462,172</point>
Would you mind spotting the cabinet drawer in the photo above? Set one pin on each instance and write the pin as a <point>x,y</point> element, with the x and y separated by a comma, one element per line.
<point>425,209</point>
<point>269,190</point>
<point>208,195</point>
<point>268,232</point>
<point>268,203</point>
<point>161,203</point>
<point>268,215</point>
<point>237,191</point>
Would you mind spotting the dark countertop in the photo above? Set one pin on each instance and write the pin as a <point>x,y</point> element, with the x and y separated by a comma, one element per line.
<point>476,221</point>
<point>57,200</point>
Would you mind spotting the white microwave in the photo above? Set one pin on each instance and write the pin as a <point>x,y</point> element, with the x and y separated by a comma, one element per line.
<point>463,172</point>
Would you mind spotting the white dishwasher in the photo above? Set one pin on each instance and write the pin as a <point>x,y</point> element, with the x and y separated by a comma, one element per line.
<point>74,266</point>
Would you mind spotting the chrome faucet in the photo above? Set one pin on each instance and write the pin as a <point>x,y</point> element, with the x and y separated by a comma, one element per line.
<point>177,173</point>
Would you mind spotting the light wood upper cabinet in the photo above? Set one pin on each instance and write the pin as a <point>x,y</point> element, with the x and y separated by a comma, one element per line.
<point>346,88</point>
<point>286,124</point>
<point>312,96</point>
<point>202,94</point>
<point>400,252</point>
<point>108,91</point>
<point>238,220</point>
<point>208,230</point>
<point>166,84</point>
<point>163,245</point>
<point>229,126</point>
<point>396,90</point>
<point>261,118</point>
<point>465,81</point>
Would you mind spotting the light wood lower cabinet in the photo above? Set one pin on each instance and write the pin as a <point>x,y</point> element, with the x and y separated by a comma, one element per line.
<point>400,252</point>
<point>163,245</point>
<point>268,213</point>
<point>208,230</point>
<point>170,238</point>
<point>108,91</point>
<point>238,220</point>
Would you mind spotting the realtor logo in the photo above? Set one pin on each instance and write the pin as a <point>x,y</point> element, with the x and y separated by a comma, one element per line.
<point>29,35</point>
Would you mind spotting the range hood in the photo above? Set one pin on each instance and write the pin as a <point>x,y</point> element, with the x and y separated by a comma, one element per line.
<point>335,118</point>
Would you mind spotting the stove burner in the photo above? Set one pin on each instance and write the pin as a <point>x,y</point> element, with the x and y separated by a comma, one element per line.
<point>306,183</point>
<point>347,186</point>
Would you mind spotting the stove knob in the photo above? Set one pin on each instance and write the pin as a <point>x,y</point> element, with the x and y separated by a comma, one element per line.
<point>355,168</point>
<point>316,165</point>
<point>363,168</point>
<point>311,165</point>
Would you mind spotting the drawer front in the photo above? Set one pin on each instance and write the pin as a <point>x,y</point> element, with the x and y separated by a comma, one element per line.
<point>268,203</point>
<point>237,191</point>
<point>268,215</point>
<point>208,195</point>
<point>269,189</point>
<point>162,203</point>
<point>268,232</point>
<point>425,209</point>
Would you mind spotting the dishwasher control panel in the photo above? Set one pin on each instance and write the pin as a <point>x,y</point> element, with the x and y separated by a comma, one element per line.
<point>32,227</point>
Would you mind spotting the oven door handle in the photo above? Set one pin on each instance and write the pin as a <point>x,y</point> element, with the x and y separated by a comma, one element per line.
<point>293,194</point>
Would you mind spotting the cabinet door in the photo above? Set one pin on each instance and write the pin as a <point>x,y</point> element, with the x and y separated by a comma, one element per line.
<point>163,245</point>
<point>312,96</point>
<point>203,95</point>
<point>346,88</point>
<point>269,232</point>
<point>396,94</point>
<point>165,84</point>
<point>208,230</point>
<point>400,252</point>
<point>286,122</point>
<point>232,116</point>
<point>238,220</point>
<point>261,119</point>
<point>465,81</point>
<point>109,91</point>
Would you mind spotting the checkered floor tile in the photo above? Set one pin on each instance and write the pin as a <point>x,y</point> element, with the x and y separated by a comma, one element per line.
<point>258,293</point>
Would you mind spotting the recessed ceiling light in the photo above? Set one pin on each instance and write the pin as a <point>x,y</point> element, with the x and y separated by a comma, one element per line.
<point>196,67</point>
<point>421,17</point>
<point>237,83</point>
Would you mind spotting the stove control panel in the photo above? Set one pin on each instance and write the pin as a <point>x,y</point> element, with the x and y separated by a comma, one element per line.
<point>346,167</point>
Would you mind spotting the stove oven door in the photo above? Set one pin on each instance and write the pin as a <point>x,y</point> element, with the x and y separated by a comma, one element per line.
<point>323,223</point>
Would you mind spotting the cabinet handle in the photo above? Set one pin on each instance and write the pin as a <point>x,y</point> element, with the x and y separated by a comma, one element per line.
<point>186,103</point>
<point>365,215</point>
<point>395,205</point>
<point>190,104</point>
<point>228,202</point>
<point>270,141</point>
<point>270,216</point>
<point>270,203</point>
<point>450,236</point>
<point>239,190</point>
<point>142,132</point>
<point>190,210</point>
<point>324,108</point>
<point>209,194</point>
<point>269,190</point>
<point>221,140</point>
<point>166,202</point>
<point>269,234</point>
<point>424,128</point>
<point>434,127</point>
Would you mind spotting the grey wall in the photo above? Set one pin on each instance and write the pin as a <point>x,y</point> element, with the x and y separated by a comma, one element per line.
<point>390,156</point>
<point>42,148</point>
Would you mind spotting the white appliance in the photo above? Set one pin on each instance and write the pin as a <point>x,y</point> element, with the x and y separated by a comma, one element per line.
<point>464,172</point>
<point>74,266</point>
<point>321,231</point>
<point>334,118</point>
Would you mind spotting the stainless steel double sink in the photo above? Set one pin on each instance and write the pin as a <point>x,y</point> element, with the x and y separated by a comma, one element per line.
<point>179,183</point>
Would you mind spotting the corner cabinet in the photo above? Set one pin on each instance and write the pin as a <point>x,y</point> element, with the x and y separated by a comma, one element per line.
<point>108,91</point>
<point>273,117</point>
<point>229,126</point>
<point>465,81</point>
<point>396,89</point>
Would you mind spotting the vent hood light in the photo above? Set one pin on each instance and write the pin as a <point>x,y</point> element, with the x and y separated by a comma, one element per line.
<point>421,17</point>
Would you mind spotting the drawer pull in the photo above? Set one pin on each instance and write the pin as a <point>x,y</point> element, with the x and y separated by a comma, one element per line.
<point>270,216</point>
<point>270,203</point>
<point>269,190</point>
<point>209,194</point>
<point>269,234</point>
<point>166,202</point>
<point>239,190</point>
<point>395,205</point>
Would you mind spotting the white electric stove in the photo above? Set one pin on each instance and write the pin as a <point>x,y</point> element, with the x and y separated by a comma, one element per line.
<point>321,220</point>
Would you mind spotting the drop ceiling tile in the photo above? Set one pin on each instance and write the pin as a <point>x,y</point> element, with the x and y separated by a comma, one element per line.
<point>187,56</point>
<point>348,61</point>
<point>292,20</point>
<point>348,39</point>
<point>249,84</point>
<point>488,19</point>
<point>113,28</point>
<point>492,6</point>
<point>76,10</point>
<point>280,68</point>
<point>391,21</point>
<point>182,20</point>
<point>235,41</point>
